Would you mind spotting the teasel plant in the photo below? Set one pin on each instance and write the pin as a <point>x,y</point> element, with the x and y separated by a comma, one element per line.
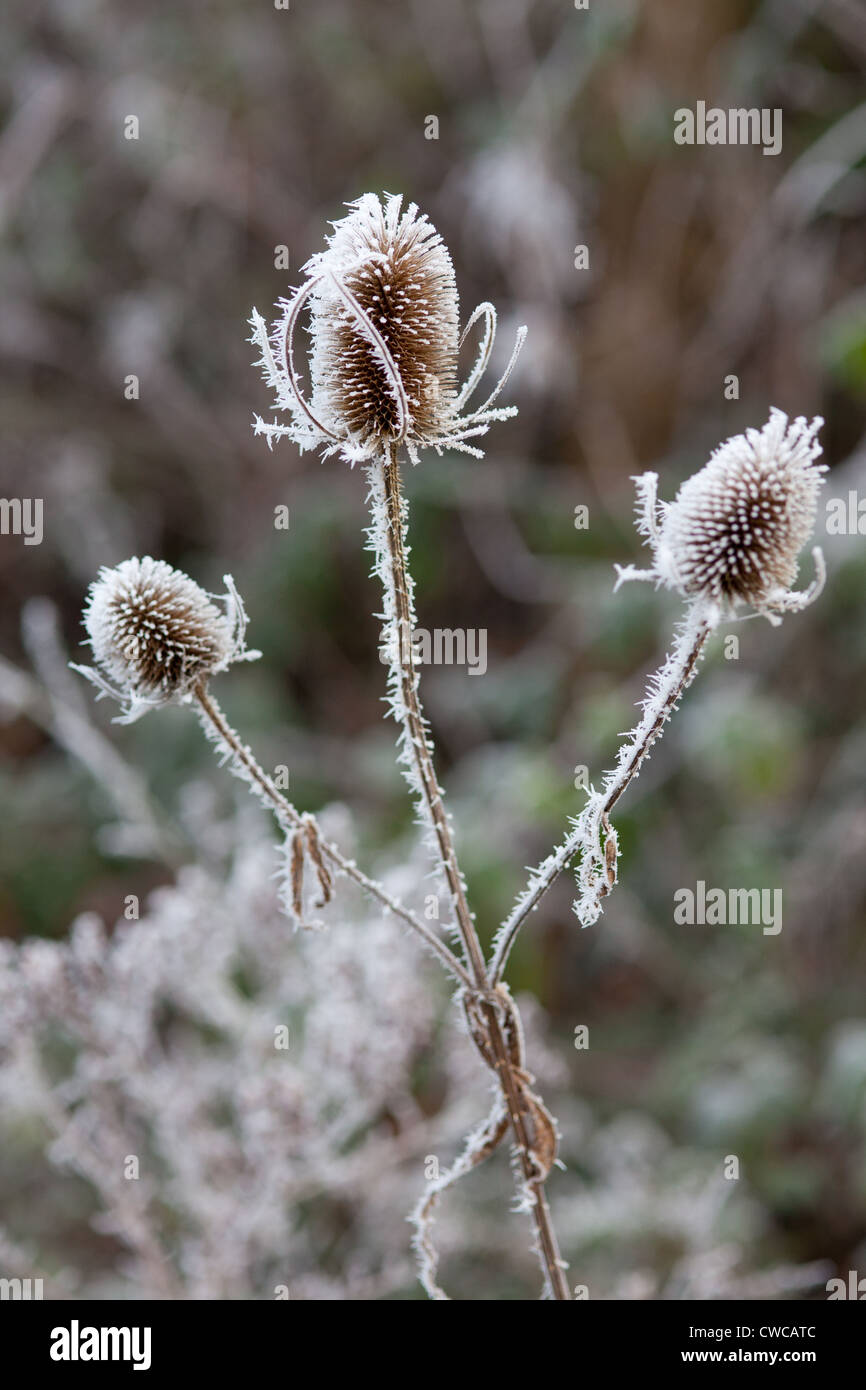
<point>158,639</point>
<point>383,364</point>
<point>383,387</point>
<point>730,540</point>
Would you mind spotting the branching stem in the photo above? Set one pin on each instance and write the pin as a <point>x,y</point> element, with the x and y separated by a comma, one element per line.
<point>289,818</point>
<point>418,749</point>
<point>667,688</point>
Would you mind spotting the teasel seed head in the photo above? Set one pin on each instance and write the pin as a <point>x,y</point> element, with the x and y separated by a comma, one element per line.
<point>734,533</point>
<point>400,274</point>
<point>156,635</point>
<point>384,312</point>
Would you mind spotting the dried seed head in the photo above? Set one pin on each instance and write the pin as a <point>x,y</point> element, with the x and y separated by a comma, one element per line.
<point>153,629</point>
<point>736,528</point>
<point>400,274</point>
<point>156,635</point>
<point>384,342</point>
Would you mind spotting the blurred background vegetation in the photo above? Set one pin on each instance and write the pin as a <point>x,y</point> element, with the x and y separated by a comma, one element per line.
<point>555,130</point>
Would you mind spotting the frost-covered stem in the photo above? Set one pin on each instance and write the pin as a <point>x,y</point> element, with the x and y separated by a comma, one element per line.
<point>665,688</point>
<point>673,680</point>
<point>417,750</point>
<point>541,879</point>
<point>552,1263</point>
<point>245,766</point>
<point>418,754</point>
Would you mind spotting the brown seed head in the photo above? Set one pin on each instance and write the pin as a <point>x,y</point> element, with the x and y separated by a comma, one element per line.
<point>398,271</point>
<point>736,529</point>
<point>155,634</point>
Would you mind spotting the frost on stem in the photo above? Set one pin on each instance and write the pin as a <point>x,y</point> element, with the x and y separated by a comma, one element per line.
<point>540,879</point>
<point>398,622</point>
<point>732,537</point>
<point>383,305</point>
<point>156,635</point>
<point>535,1149</point>
<point>302,840</point>
<point>593,836</point>
<point>479,1145</point>
<point>159,638</point>
<point>496,1036</point>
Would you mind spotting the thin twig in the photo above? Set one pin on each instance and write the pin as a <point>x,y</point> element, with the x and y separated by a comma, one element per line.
<point>290,819</point>
<point>666,688</point>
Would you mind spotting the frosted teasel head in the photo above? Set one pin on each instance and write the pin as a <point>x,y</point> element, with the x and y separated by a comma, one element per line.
<point>384,328</point>
<point>735,531</point>
<point>156,636</point>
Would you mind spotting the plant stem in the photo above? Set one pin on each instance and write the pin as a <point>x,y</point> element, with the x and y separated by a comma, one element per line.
<point>419,751</point>
<point>418,744</point>
<point>682,678</point>
<point>666,689</point>
<point>541,879</point>
<point>246,766</point>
